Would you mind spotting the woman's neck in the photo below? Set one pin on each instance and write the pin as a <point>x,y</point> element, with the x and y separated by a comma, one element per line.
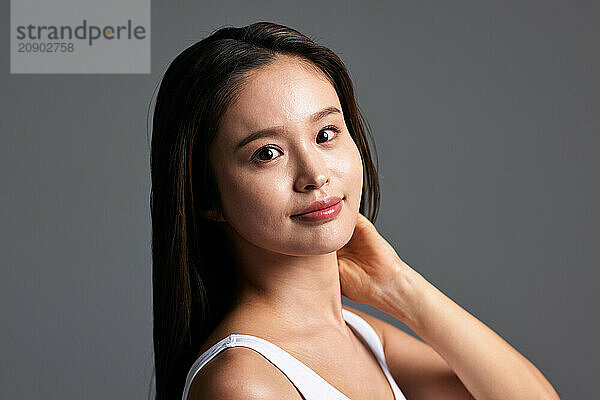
<point>301,293</point>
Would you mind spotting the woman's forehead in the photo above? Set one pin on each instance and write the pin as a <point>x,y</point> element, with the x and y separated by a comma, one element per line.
<point>285,92</point>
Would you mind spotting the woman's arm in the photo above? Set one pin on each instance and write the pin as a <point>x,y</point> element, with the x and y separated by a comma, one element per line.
<point>420,372</point>
<point>371,272</point>
<point>486,364</point>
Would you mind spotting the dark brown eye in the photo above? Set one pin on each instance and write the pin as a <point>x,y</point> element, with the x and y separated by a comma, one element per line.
<point>265,154</point>
<point>327,136</point>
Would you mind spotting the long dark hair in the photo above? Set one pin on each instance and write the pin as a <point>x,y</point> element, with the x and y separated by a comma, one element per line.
<point>192,262</point>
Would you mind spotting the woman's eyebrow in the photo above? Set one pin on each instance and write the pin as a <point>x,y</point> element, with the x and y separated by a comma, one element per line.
<point>274,131</point>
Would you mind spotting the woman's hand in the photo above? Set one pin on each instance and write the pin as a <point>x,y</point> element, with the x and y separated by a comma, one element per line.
<point>371,271</point>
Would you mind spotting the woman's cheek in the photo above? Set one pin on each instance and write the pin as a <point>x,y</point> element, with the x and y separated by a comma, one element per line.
<point>257,199</point>
<point>354,176</point>
<point>352,165</point>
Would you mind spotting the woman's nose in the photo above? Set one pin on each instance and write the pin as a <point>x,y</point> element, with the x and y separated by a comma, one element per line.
<point>312,172</point>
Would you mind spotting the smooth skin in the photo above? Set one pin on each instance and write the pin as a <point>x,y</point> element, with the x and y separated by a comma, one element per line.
<point>293,273</point>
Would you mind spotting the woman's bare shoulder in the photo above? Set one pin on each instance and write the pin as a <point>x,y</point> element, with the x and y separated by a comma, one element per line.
<point>241,373</point>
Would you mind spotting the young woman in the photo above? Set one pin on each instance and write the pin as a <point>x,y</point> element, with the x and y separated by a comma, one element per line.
<point>261,177</point>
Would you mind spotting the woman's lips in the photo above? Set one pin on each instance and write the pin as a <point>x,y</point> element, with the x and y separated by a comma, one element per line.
<point>324,214</point>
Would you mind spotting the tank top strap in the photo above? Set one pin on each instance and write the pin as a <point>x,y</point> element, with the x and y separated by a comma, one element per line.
<point>366,331</point>
<point>308,382</point>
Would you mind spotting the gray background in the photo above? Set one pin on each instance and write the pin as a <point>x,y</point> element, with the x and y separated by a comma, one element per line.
<point>486,118</point>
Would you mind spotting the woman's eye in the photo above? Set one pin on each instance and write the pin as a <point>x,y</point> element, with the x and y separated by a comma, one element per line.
<point>327,137</point>
<point>267,152</point>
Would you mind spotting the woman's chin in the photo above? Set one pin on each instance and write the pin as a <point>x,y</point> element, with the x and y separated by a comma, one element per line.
<point>322,242</point>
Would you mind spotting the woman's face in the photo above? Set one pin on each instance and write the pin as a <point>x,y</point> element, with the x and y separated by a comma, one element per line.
<point>269,179</point>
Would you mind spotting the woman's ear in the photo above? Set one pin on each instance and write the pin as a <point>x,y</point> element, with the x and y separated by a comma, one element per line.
<point>212,214</point>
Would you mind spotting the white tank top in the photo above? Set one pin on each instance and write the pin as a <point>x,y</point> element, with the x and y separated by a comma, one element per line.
<point>308,382</point>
